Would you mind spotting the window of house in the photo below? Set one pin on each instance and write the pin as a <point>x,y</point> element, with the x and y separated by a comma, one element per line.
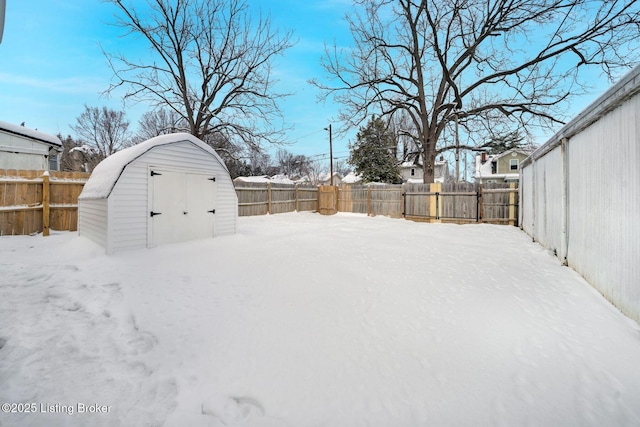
<point>413,172</point>
<point>513,164</point>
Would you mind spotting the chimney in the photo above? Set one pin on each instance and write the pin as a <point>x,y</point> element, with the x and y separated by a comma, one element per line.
<point>483,157</point>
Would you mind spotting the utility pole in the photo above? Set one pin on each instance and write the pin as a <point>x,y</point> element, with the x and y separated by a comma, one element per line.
<point>457,150</point>
<point>330,154</point>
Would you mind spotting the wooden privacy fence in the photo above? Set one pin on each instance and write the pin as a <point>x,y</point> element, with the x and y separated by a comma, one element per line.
<point>462,203</point>
<point>34,201</point>
<point>449,202</point>
<point>371,199</point>
<point>269,198</point>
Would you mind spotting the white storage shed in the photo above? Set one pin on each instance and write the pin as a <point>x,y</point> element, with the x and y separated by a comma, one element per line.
<point>168,189</point>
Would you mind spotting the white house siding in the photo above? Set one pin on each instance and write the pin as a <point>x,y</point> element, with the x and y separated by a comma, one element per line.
<point>24,148</point>
<point>128,200</point>
<point>580,194</point>
<point>17,152</point>
<point>92,220</point>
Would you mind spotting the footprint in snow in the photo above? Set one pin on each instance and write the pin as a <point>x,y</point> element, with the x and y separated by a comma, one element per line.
<point>237,411</point>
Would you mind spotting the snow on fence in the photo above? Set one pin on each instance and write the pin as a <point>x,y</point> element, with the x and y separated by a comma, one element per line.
<point>33,201</point>
<point>580,195</point>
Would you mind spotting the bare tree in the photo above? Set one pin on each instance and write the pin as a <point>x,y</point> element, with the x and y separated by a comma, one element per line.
<point>211,65</point>
<point>316,169</point>
<point>103,130</point>
<point>67,163</point>
<point>485,65</point>
<point>158,122</point>
<point>342,167</point>
<point>292,165</point>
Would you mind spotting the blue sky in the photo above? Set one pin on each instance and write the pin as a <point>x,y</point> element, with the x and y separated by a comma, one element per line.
<point>51,64</point>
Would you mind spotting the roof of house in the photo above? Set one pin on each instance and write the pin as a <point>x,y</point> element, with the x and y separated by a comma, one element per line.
<point>276,179</point>
<point>327,175</point>
<point>30,133</point>
<point>106,174</point>
<point>419,164</point>
<point>523,151</point>
<point>351,178</point>
<point>627,87</point>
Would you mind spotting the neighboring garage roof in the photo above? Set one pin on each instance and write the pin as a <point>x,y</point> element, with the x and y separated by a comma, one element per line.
<point>30,133</point>
<point>106,174</point>
<point>627,87</point>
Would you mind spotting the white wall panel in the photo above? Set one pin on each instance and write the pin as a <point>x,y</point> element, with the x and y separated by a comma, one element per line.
<point>92,220</point>
<point>596,214</point>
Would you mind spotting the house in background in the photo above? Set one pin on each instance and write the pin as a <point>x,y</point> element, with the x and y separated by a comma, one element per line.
<point>325,178</point>
<point>28,149</point>
<point>503,167</point>
<point>352,178</point>
<point>412,172</point>
<point>263,179</point>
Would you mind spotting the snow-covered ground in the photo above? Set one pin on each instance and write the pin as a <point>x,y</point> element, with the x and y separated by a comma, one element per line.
<point>304,320</point>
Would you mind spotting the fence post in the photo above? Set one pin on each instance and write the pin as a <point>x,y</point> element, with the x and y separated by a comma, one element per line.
<point>369,201</point>
<point>512,204</point>
<point>480,206</point>
<point>297,198</point>
<point>45,203</point>
<point>404,201</point>
<point>434,202</point>
<point>269,198</point>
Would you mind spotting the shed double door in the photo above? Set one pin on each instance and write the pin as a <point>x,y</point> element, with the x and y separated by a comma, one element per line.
<point>182,206</point>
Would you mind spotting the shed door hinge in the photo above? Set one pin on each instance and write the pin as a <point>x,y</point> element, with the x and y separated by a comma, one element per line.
<point>212,211</point>
<point>152,213</point>
<point>153,173</point>
<point>212,179</point>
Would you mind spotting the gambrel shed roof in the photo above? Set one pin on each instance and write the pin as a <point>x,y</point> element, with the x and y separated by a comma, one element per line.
<point>106,174</point>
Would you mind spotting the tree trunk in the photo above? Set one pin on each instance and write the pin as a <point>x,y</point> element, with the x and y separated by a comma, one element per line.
<point>428,164</point>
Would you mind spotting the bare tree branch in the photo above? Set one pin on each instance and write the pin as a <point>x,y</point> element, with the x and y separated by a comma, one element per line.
<point>210,64</point>
<point>491,64</point>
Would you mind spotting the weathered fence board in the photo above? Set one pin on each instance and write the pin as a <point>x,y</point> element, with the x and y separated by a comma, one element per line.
<point>31,202</point>
<point>371,199</point>
<point>327,199</point>
<point>462,203</point>
<point>23,204</point>
<point>258,198</point>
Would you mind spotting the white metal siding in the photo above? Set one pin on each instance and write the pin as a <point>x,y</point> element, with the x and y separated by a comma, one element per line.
<point>525,190</point>
<point>604,206</point>
<point>548,195</point>
<point>92,220</point>
<point>128,200</point>
<point>601,198</point>
<point>18,152</point>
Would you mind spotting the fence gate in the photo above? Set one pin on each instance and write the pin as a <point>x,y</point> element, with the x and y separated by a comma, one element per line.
<point>327,200</point>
